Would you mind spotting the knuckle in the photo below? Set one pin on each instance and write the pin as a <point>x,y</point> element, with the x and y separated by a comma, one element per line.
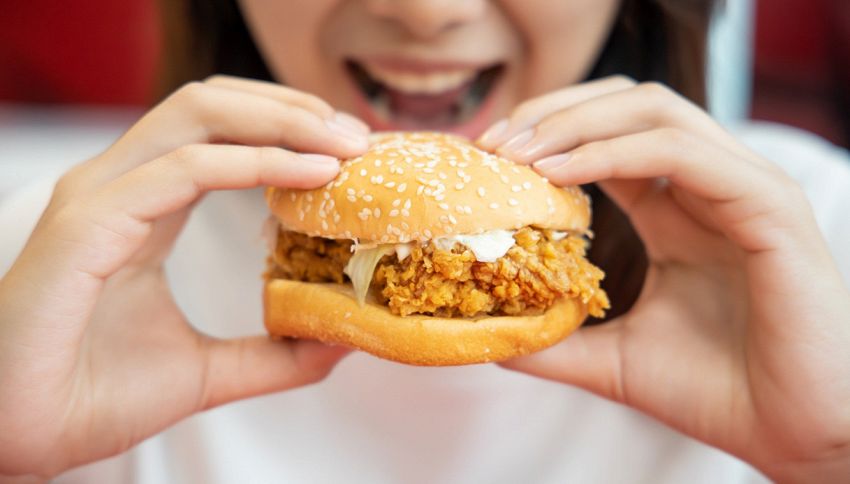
<point>622,80</point>
<point>525,110</point>
<point>217,78</point>
<point>186,154</point>
<point>674,137</point>
<point>191,93</point>
<point>656,90</point>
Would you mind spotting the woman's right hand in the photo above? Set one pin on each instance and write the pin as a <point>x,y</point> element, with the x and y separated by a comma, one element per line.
<point>95,355</point>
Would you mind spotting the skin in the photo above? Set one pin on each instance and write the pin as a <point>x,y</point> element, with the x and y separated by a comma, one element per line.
<point>743,315</point>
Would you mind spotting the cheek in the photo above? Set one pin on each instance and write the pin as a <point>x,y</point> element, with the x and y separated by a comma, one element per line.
<point>562,39</point>
<point>288,34</point>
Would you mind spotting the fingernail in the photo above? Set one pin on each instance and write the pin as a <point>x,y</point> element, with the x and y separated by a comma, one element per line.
<point>491,137</point>
<point>349,120</point>
<point>343,129</point>
<point>319,159</point>
<point>552,162</point>
<point>519,141</point>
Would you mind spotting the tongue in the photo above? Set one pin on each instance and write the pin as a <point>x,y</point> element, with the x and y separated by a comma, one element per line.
<point>425,106</point>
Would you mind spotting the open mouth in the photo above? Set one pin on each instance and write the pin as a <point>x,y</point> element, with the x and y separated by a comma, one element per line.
<point>432,100</point>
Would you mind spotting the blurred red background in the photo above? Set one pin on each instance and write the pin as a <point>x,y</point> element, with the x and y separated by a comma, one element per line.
<point>106,52</point>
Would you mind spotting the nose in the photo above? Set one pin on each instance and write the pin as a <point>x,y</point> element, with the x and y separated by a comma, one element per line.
<point>427,18</point>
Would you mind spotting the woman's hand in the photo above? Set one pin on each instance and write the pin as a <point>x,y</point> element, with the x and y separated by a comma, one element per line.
<point>95,355</point>
<point>741,336</point>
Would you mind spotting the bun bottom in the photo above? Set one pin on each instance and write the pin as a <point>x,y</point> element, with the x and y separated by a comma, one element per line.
<point>329,313</point>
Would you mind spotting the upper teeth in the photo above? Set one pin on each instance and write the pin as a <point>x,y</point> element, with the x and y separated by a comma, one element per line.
<point>422,83</point>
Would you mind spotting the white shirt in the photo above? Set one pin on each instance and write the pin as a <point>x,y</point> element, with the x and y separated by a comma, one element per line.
<point>380,422</point>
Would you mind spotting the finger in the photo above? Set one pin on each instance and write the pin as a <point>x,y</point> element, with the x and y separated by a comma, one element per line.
<point>248,367</point>
<point>589,358</point>
<point>199,113</point>
<point>288,96</point>
<point>90,239</point>
<point>531,112</point>
<point>641,108</point>
<point>749,201</point>
<point>274,91</point>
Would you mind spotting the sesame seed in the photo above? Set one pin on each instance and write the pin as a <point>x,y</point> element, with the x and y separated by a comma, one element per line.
<point>444,219</point>
<point>350,191</point>
<point>467,209</point>
<point>368,198</point>
<point>309,197</point>
<point>402,187</point>
<point>481,191</point>
<point>452,219</point>
<point>400,170</point>
<point>513,202</point>
<point>459,208</point>
<point>377,212</point>
<point>396,202</point>
<point>336,217</point>
<point>364,214</point>
<point>407,204</point>
<point>393,213</point>
<point>324,225</point>
<point>503,178</point>
<point>405,213</point>
<point>526,185</point>
<point>428,170</point>
<point>516,188</point>
<point>459,186</point>
<point>377,162</point>
<point>380,178</point>
<point>545,180</point>
<point>433,182</point>
<point>515,170</point>
<point>494,205</point>
<point>444,206</point>
<point>389,184</point>
<point>440,197</point>
<point>351,198</point>
<point>301,215</point>
<point>363,172</point>
<point>442,175</point>
<point>427,233</point>
<point>292,196</point>
<point>326,195</point>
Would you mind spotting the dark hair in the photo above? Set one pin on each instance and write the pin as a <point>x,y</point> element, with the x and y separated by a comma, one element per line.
<point>651,40</point>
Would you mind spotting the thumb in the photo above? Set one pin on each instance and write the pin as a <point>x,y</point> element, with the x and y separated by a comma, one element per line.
<point>246,367</point>
<point>589,358</point>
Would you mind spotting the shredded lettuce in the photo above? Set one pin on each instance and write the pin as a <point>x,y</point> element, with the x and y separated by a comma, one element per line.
<point>361,268</point>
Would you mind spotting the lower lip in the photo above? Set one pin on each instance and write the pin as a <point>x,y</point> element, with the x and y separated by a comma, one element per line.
<point>471,128</point>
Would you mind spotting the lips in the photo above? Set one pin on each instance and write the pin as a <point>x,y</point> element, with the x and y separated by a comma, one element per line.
<point>403,95</point>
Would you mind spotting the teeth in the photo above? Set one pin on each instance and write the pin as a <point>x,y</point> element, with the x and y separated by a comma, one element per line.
<point>418,83</point>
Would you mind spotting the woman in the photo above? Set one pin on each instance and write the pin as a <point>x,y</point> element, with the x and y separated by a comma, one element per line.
<point>738,338</point>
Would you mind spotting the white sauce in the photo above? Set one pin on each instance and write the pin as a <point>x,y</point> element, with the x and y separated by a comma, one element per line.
<point>487,246</point>
<point>557,235</point>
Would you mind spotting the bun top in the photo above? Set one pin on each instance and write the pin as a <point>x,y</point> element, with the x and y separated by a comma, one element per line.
<point>416,186</point>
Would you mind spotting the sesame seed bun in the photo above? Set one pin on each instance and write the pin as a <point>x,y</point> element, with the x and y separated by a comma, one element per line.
<point>418,186</point>
<point>329,313</point>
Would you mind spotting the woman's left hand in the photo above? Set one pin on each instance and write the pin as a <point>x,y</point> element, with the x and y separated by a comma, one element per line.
<point>741,335</point>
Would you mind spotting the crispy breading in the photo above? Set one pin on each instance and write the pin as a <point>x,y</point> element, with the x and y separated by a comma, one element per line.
<point>528,279</point>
